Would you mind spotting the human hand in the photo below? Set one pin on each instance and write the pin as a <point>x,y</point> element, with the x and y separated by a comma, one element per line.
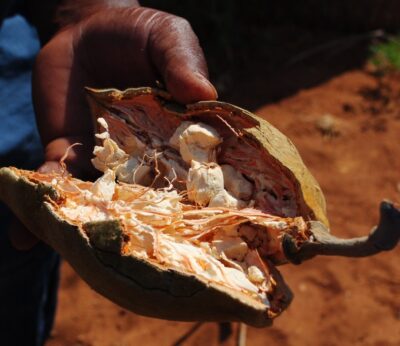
<point>122,47</point>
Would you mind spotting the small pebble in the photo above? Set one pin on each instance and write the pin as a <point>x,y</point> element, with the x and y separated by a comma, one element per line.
<point>327,125</point>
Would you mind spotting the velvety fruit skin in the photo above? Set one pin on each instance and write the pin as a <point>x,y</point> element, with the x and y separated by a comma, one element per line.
<point>95,250</point>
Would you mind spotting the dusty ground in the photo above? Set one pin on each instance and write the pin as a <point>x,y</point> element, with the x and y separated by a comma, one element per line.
<point>347,129</point>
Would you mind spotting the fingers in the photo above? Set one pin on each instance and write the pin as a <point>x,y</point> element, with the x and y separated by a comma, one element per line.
<point>57,90</point>
<point>176,53</point>
<point>76,157</point>
<point>114,48</point>
<point>141,45</point>
<point>50,167</point>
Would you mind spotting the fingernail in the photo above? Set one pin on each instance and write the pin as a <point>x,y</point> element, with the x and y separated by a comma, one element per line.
<point>49,167</point>
<point>208,84</point>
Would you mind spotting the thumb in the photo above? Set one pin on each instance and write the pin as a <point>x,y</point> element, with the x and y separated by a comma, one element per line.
<point>177,55</point>
<point>50,167</point>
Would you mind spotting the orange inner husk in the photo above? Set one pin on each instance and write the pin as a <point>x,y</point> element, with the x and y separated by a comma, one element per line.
<point>163,229</point>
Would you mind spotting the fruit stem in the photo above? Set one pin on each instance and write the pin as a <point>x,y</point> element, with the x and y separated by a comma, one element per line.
<point>383,237</point>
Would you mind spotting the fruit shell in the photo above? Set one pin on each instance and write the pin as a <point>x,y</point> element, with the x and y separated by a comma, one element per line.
<point>135,284</point>
<point>95,250</point>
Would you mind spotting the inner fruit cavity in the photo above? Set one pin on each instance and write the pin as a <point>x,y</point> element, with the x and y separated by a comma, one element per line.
<point>184,209</point>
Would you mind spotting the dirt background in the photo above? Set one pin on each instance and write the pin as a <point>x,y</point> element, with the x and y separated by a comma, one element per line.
<point>344,118</point>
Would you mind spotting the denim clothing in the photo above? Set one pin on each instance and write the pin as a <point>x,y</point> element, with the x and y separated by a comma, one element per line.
<point>28,279</point>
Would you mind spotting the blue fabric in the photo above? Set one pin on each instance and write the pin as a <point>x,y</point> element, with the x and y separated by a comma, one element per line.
<point>28,279</point>
<point>19,140</point>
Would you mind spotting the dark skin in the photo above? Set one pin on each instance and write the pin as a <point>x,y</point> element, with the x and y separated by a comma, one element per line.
<point>122,47</point>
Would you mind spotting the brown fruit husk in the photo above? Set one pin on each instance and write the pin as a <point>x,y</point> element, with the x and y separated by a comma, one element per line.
<point>95,250</point>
